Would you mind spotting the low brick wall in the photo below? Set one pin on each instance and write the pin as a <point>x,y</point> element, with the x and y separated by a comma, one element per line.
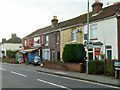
<point>10,60</point>
<point>75,67</point>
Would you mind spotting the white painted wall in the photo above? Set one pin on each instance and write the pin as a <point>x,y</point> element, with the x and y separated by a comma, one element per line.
<point>7,46</point>
<point>107,34</point>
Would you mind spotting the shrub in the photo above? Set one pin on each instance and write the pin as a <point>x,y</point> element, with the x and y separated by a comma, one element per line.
<point>73,53</point>
<point>109,67</point>
<point>96,67</point>
<point>11,54</point>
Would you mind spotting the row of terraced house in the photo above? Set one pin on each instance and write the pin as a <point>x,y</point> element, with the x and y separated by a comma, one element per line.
<point>104,33</point>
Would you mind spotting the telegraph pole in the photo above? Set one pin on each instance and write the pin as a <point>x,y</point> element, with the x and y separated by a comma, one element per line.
<point>88,35</point>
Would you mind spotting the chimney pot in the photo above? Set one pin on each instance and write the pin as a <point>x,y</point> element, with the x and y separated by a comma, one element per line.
<point>3,40</point>
<point>54,21</point>
<point>13,35</point>
<point>97,6</point>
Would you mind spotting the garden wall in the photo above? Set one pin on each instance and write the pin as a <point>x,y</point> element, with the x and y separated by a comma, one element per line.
<point>75,67</point>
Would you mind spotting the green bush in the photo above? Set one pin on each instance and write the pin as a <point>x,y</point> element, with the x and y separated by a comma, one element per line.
<point>11,54</point>
<point>109,67</point>
<point>96,67</point>
<point>73,53</point>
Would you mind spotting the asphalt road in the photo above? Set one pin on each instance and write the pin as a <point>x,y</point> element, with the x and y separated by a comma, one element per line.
<point>27,77</point>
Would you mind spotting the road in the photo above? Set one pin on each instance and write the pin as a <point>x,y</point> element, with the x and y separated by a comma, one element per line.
<point>16,76</point>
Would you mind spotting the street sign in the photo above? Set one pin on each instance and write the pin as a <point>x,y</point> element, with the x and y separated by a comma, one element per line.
<point>117,64</point>
<point>88,44</point>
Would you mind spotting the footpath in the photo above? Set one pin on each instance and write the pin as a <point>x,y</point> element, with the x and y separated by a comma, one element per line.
<point>83,76</point>
<point>109,80</point>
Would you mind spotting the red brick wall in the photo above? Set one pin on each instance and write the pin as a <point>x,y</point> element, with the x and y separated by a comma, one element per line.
<point>75,67</point>
<point>118,25</point>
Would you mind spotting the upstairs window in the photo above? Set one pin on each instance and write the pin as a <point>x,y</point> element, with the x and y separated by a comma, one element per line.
<point>47,40</point>
<point>58,39</point>
<point>36,41</point>
<point>74,35</point>
<point>25,43</point>
<point>93,31</point>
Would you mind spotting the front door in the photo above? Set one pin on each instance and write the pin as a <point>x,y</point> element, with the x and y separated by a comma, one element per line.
<point>53,55</point>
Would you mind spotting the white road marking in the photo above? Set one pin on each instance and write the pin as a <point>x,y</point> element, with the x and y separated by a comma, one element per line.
<point>53,84</point>
<point>19,74</point>
<point>82,80</point>
<point>2,69</point>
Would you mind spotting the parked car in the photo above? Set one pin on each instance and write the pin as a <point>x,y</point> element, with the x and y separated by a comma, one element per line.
<point>37,60</point>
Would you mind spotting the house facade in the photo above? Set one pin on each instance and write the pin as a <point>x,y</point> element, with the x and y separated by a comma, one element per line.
<point>104,35</point>
<point>104,32</point>
<point>14,43</point>
<point>44,42</point>
<point>70,35</point>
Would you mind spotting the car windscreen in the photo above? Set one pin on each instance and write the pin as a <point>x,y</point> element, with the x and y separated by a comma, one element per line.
<point>37,58</point>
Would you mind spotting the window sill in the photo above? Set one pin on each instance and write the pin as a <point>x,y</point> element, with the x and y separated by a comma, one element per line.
<point>74,41</point>
<point>94,39</point>
<point>46,44</point>
<point>57,43</point>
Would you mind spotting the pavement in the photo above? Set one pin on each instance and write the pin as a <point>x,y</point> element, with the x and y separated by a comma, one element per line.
<point>108,80</point>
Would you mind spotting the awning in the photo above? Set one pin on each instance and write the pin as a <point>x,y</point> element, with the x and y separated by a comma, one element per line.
<point>28,50</point>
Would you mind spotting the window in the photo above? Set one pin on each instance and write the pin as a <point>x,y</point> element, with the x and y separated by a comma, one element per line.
<point>36,41</point>
<point>58,39</point>
<point>109,52</point>
<point>25,43</point>
<point>46,54</point>
<point>74,35</point>
<point>47,40</point>
<point>85,36</point>
<point>93,31</point>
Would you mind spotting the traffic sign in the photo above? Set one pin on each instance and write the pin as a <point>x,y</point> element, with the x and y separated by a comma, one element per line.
<point>88,44</point>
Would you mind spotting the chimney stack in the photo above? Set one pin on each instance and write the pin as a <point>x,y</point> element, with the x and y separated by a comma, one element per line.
<point>54,21</point>
<point>3,40</point>
<point>13,35</point>
<point>97,6</point>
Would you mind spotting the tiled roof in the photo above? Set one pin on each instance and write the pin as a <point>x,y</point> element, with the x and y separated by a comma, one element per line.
<point>106,12</point>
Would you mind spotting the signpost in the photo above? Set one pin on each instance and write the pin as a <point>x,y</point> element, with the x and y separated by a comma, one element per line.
<point>117,69</point>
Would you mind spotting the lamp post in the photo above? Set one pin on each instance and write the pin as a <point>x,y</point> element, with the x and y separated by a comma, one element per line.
<point>88,34</point>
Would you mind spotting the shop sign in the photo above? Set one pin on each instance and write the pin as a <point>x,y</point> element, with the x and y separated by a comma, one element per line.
<point>97,51</point>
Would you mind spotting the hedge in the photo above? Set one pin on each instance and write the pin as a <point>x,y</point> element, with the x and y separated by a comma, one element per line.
<point>74,53</point>
<point>95,67</point>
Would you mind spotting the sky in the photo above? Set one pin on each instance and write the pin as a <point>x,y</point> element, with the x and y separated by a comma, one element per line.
<point>26,16</point>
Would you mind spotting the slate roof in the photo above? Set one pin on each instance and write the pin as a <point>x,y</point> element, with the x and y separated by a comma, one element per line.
<point>106,12</point>
<point>14,40</point>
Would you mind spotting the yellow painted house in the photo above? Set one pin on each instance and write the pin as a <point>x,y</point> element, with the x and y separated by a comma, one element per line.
<point>71,35</point>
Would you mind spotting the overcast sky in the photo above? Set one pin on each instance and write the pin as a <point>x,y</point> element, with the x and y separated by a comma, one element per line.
<point>25,16</point>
